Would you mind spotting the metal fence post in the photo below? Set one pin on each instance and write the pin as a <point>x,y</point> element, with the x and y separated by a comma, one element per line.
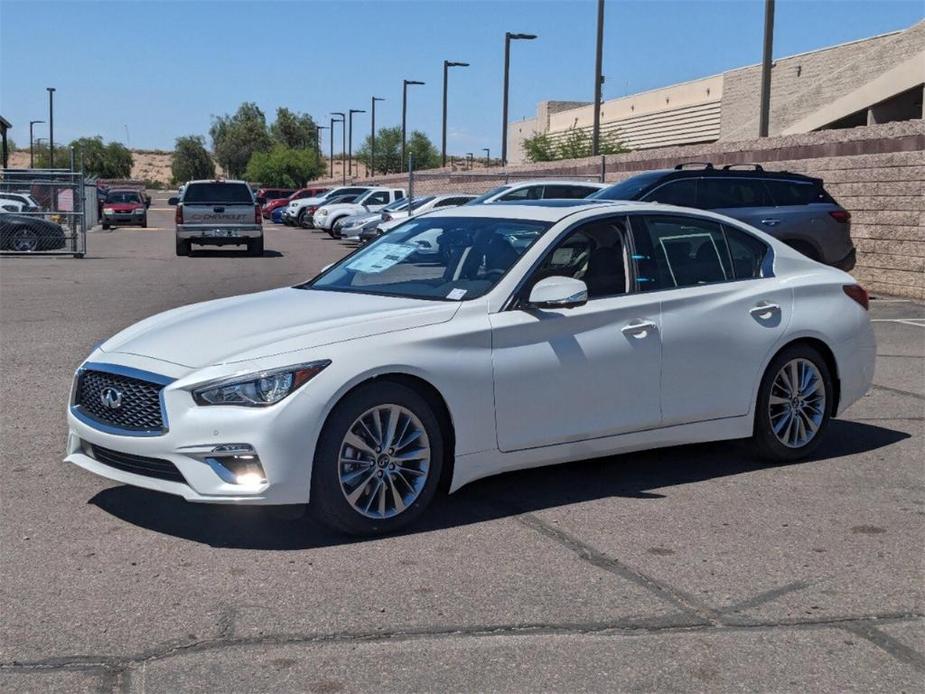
<point>603,168</point>
<point>410,180</point>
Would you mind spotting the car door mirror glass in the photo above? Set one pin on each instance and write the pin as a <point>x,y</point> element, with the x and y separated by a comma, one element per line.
<point>558,292</point>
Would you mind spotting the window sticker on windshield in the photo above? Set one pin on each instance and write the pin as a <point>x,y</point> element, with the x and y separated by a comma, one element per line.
<point>381,257</point>
<point>456,294</point>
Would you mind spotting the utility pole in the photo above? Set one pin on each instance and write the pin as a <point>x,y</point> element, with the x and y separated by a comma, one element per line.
<point>31,149</point>
<point>764,112</point>
<point>372,136</point>
<point>404,116</point>
<point>318,129</point>
<point>598,80</point>
<point>487,156</point>
<point>446,66</point>
<point>508,37</point>
<point>333,121</point>
<point>51,127</point>
<point>350,139</point>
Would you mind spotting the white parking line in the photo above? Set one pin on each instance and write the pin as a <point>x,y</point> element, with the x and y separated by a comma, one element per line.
<point>917,322</point>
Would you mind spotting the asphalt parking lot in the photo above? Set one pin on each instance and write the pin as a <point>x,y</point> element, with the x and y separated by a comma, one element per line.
<point>691,568</point>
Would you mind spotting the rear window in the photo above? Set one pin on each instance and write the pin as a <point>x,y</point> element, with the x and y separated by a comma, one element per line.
<point>228,193</point>
<point>728,193</point>
<point>789,193</point>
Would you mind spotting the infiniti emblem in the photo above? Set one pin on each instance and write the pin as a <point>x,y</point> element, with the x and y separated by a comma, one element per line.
<point>111,397</point>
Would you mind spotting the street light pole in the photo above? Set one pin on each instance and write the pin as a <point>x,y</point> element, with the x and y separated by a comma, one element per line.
<point>447,64</point>
<point>350,139</point>
<point>318,129</point>
<point>765,106</point>
<point>598,80</point>
<point>487,156</point>
<point>342,119</point>
<point>51,127</point>
<point>404,117</point>
<point>31,150</point>
<point>372,136</point>
<point>508,37</point>
<point>469,157</point>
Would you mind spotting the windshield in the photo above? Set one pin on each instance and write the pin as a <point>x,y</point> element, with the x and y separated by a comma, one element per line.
<point>123,196</point>
<point>399,204</point>
<point>227,193</point>
<point>628,189</point>
<point>438,258</point>
<point>484,196</point>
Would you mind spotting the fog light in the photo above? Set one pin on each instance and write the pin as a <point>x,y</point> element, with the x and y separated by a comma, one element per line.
<point>237,463</point>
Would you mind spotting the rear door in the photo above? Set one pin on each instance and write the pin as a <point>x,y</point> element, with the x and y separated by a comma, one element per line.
<point>720,316</point>
<point>747,199</point>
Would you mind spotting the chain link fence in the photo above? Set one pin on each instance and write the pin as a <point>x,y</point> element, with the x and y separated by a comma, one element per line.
<point>42,211</point>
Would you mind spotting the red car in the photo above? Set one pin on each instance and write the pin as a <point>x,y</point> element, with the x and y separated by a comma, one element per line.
<point>267,209</point>
<point>124,206</point>
<point>265,195</point>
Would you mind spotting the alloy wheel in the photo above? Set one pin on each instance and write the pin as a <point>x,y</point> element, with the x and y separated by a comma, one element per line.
<point>796,406</point>
<point>25,240</point>
<point>384,461</point>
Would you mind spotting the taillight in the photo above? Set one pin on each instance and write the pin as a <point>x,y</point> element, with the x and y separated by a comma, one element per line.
<point>179,214</point>
<point>257,218</point>
<point>842,216</point>
<point>858,293</point>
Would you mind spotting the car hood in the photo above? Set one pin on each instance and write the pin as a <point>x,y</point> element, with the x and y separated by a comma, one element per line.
<point>302,202</point>
<point>350,207</point>
<point>278,321</point>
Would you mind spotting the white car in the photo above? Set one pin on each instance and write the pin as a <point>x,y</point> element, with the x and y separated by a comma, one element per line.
<point>18,202</point>
<point>538,190</point>
<point>537,335</point>
<point>297,210</point>
<point>372,200</point>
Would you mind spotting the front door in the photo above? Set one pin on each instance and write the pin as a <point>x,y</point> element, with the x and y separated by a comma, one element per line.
<point>573,374</point>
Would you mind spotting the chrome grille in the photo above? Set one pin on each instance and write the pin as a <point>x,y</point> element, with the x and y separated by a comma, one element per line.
<point>140,409</point>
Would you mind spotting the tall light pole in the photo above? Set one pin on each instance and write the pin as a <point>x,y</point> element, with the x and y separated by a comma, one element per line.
<point>333,121</point>
<point>598,80</point>
<point>343,143</point>
<point>31,150</point>
<point>350,139</point>
<point>372,136</point>
<point>487,156</point>
<point>469,157</point>
<point>318,129</point>
<point>764,112</point>
<point>51,127</point>
<point>404,117</point>
<point>447,64</point>
<point>508,37</point>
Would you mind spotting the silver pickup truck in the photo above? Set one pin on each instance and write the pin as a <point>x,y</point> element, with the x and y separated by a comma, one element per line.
<point>218,213</point>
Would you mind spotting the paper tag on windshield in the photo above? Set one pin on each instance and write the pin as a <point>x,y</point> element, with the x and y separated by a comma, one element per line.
<point>456,294</point>
<point>381,257</point>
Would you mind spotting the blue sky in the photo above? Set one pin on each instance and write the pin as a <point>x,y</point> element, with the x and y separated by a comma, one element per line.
<point>162,69</point>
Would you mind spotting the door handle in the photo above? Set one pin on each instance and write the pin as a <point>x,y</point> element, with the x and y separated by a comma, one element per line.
<point>638,329</point>
<point>764,310</point>
<point>770,222</point>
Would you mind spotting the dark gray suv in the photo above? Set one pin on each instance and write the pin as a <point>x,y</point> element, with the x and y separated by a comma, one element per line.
<point>791,207</point>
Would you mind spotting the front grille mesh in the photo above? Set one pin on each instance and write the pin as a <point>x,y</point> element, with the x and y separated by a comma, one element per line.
<point>141,404</point>
<point>137,464</point>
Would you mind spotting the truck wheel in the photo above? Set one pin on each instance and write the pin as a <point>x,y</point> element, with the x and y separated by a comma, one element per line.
<point>255,247</point>
<point>183,247</point>
<point>105,226</point>
<point>144,222</point>
<point>300,220</point>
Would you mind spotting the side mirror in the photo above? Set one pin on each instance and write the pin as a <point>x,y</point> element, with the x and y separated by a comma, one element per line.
<point>261,200</point>
<point>558,292</point>
<point>173,201</point>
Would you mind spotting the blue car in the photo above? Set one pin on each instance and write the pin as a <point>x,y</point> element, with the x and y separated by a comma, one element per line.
<point>276,216</point>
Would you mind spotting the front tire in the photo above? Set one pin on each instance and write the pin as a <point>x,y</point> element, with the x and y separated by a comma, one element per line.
<point>300,220</point>
<point>794,404</point>
<point>378,462</point>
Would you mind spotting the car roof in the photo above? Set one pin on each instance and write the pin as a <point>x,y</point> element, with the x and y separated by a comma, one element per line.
<point>555,182</point>
<point>725,173</point>
<point>551,211</point>
<point>216,180</point>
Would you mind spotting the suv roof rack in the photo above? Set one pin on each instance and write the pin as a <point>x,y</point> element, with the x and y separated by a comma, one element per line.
<point>755,167</point>
<point>704,164</point>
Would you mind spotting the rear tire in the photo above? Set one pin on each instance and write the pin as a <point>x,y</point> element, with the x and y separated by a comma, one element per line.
<point>184,247</point>
<point>794,405</point>
<point>255,248</point>
<point>300,220</point>
<point>105,227</point>
<point>392,473</point>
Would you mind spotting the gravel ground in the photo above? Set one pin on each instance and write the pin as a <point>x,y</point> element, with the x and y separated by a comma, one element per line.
<point>690,568</point>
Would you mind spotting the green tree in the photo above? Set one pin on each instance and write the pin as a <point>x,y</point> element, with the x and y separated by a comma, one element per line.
<point>62,156</point>
<point>284,167</point>
<point>539,148</point>
<point>574,144</point>
<point>388,151</point>
<point>236,138</point>
<point>294,130</point>
<point>191,160</point>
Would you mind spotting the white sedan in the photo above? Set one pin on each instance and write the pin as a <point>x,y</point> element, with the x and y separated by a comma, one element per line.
<point>537,334</point>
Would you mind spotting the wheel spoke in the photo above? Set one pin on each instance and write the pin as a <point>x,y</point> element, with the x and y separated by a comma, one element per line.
<point>358,443</point>
<point>354,496</point>
<point>389,438</point>
<point>418,454</point>
<point>396,497</point>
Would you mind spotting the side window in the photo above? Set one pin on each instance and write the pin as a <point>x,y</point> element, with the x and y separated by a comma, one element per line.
<point>594,253</point>
<point>380,198</point>
<point>677,251</point>
<point>528,193</point>
<point>446,202</point>
<point>725,193</point>
<point>746,252</point>
<point>567,192</point>
<point>681,192</point>
<point>787,193</point>
<point>399,194</point>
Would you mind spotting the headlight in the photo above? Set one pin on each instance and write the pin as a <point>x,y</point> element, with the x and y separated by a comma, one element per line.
<point>139,210</point>
<point>108,210</point>
<point>258,389</point>
<point>322,212</point>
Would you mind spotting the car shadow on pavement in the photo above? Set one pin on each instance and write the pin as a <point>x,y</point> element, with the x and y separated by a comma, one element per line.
<point>646,475</point>
<point>238,253</point>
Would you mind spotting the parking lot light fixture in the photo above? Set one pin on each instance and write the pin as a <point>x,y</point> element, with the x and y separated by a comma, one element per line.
<point>371,169</point>
<point>404,117</point>
<point>336,117</point>
<point>350,138</point>
<point>51,127</point>
<point>508,37</point>
<point>487,156</point>
<point>447,64</point>
<point>31,149</point>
